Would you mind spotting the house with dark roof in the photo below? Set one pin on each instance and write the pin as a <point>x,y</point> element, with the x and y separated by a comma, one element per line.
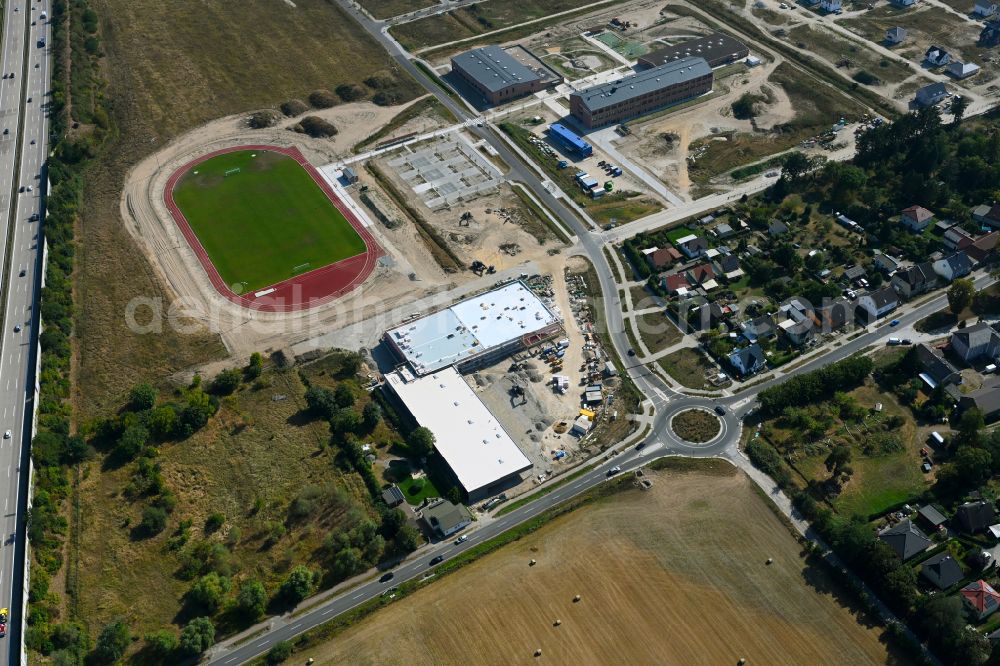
<point>988,214</point>
<point>393,496</point>
<point>445,518</point>
<point>985,399</point>
<point>728,265</point>
<point>852,273</point>
<point>934,368</point>
<point>895,35</point>
<point>982,249</point>
<point>717,49</point>
<point>931,94</point>
<point>975,516</point>
<point>942,571</point>
<point>957,238</point>
<point>748,360</point>
<point>777,228</point>
<point>916,218</point>
<point>975,342</point>
<point>905,539</point>
<point>691,245</point>
<point>980,599</point>
<point>953,266</point>
<point>880,302</point>
<point>930,515</point>
<point>834,316</point>
<point>937,56</point>
<point>761,328</point>
<point>659,258</point>
<point>914,280</point>
<point>885,263</point>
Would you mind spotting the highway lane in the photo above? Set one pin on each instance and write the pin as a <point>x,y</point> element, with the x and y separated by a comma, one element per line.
<point>27,140</point>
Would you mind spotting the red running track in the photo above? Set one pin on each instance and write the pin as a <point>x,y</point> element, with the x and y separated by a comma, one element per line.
<point>301,292</point>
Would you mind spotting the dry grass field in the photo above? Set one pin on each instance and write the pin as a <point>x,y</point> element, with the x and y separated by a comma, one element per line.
<point>673,575</point>
<point>171,67</point>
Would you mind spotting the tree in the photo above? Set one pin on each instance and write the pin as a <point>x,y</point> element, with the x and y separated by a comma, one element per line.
<point>112,642</point>
<point>421,442</point>
<point>208,592</point>
<point>142,397</point>
<point>973,466</point>
<point>795,165</point>
<point>345,420</point>
<point>320,402</point>
<point>943,620</point>
<point>392,521</point>
<point>371,415</point>
<point>225,382</point>
<point>161,642</point>
<point>197,636</point>
<point>745,107</point>
<point>298,585</point>
<point>839,457</point>
<point>162,421</point>
<point>154,521</point>
<point>959,104</point>
<point>132,442</point>
<point>251,599</point>
<point>407,539</point>
<point>960,295</point>
<point>281,651</point>
<point>343,396</point>
<point>454,495</point>
<point>254,367</point>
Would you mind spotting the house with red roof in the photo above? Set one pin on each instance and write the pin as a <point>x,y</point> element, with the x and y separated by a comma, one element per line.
<point>916,218</point>
<point>980,598</point>
<point>659,258</point>
<point>676,283</point>
<point>701,273</point>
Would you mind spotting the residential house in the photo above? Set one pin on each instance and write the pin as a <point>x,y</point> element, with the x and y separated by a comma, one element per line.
<point>975,342</point>
<point>975,516</point>
<point>931,94</point>
<point>830,6</point>
<point>880,302</point>
<point>692,246</point>
<point>981,250</point>
<point>777,228</point>
<point>886,263</point>
<point>937,56</point>
<point>957,238</point>
<point>914,280</point>
<point>676,284</point>
<point>659,258</point>
<point>700,273</point>
<point>985,399</point>
<point>711,314</point>
<point>834,316</point>
<point>942,226</point>
<point>981,599</point>
<point>905,539</point>
<point>902,4</point>
<point>728,265</point>
<point>723,231</point>
<point>942,571</point>
<point>963,70</point>
<point>934,369</point>
<point>988,214</point>
<point>796,310</point>
<point>984,9</point>
<point>445,518</point>
<point>748,360</point>
<point>853,273</point>
<point>798,333</point>
<point>916,218</point>
<point>930,515</point>
<point>895,35</point>
<point>393,496</point>
<point>953,266</point>
<point>761,328</point>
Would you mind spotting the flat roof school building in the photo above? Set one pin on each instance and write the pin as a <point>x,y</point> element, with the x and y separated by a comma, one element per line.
<point>475,332</point>
<point>717,49</point>
<point>641,93</point>
<point>478,450</point>
<point>496,75</point>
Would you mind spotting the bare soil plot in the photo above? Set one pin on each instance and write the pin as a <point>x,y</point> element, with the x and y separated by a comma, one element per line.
<point>657,331</point>
<point>672,575</point>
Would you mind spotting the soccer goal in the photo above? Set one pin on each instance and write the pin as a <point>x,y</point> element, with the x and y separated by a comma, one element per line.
<point>231,172</point>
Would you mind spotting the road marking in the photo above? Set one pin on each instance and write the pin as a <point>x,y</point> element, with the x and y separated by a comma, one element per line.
<point>358,596</point>
<point>328,611</point>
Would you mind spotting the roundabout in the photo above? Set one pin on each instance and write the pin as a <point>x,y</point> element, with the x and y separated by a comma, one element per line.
<point>696,425</point>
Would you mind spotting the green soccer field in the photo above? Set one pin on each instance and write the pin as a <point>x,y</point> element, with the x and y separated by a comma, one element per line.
<point>264,223</point>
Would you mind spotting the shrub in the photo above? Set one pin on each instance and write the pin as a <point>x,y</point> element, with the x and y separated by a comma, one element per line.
<point>225,382</point>
<point>294,107</point>
<point>387,98</point>
<point>350,92</point>
<point>154,521</point>
<point>322,99</point>
<point>142,397</point>
<point>161,642</point>
<point>251,600</point>
<point>380,81</point>
<point>262,119</point>
<point>866,78</point>
<point>298,585</point>
<point>214,521</point>
<point>279,653</point>
<point>112,642</point>
<point>197,636</point>
<point>316,127</point>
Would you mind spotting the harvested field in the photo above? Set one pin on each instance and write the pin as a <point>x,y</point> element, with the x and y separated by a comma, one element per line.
<point>171,68</point>
<point>695,425</point>
<point>640,566</point>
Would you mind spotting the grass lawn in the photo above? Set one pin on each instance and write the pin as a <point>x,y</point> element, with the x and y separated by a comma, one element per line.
<point>417,490</point>
<point>657,331</point>
<point>265,224</point>
<point>696,425</point>
<point>688,367</point>
<point>383,9</point>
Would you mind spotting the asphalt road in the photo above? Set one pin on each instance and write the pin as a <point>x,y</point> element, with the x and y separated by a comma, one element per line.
<point>22,157</point>
<point>661,440</point>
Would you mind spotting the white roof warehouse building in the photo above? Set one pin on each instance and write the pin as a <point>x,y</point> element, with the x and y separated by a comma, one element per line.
<point>475,332</point>
<point>479,451</point>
